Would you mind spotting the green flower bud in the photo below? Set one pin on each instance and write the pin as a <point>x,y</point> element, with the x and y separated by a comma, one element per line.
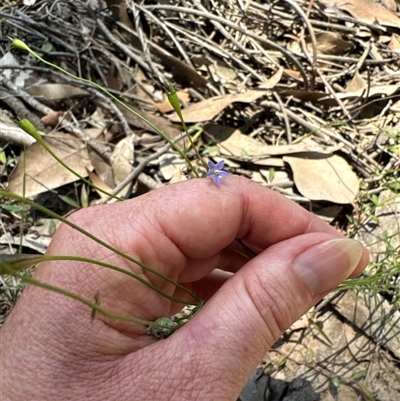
<point>29,128</point>
<point>19,44</point>
<point>174,100</point>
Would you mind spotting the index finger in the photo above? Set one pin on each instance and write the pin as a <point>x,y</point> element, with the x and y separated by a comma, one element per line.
<point>202,218</point>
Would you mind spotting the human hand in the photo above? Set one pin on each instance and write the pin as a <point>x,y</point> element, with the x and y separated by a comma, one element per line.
<point>52,351</point>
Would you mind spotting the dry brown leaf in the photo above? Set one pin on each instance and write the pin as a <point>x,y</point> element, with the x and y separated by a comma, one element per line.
<point>102,168</point>
<point>43,172</point>
<point>182,72</point>
<point>366,11</point>
<point>207,109</point>
<point>51,119</point>
<point>357,83</point>
<point>324,177</point>
<point>326,42</point>
<point>390,5</point>
<point>330,43</point>
<point>122,160</point>
<point>119,11</point>
<point>394,44</point>
<point>114,79</point>
<point>159,121</point>
<point>55,93</point>
<point>219,71</point>
<point>171,167</point>
<point>241,145</point>
<point>310,96</point>
<point>378,90</point>
<point>96,180</point>
<point>144,88</point>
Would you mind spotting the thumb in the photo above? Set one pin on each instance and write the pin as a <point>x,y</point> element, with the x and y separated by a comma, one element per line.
<point>230,335</point>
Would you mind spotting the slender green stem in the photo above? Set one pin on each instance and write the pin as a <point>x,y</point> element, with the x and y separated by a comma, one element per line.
<point>21,45</point>
<point>95,306</point>
<point>175,103</point>
<point>94,238</point>
<point>11,266</point>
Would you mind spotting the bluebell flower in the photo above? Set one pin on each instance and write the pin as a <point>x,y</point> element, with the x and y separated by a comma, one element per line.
<point>216,171</point>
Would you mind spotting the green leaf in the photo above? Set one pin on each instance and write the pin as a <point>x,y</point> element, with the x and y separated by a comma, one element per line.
<point>69,201</point>
<point>310,355</point>
<point>282,361</point>
<point>52,227</point>
<point>211,149</point>
<point>3,157</point>
<point>359,374</point>
<point>47,47</point>
<point>84,197</point>
<point>335,381</point>
<point>271,174</point>
<point>394,185</point>
<point>13,208</point>
<point>374,199</point>
<point>321,331</point>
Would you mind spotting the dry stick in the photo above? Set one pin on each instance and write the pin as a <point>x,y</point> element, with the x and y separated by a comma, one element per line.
<point>117,63</point>
<point>25,20</point>
<point>168,32</point>
<point>10,133</point>
<point>228,36</point>
<point>122,46</point>
<point>332,58</point>
<point>313,60</point>
<point>114,108</point>
<point>208,44</point>
<point>35,104</point>
<point>20,109</point>
<point>268,42</point>
<point>285,117</point>
<point>144,42</point>
<point>321,132</point>
<point>306,21</point>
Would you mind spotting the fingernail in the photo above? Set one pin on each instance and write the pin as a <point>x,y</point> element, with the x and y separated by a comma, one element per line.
<point>324,266</point>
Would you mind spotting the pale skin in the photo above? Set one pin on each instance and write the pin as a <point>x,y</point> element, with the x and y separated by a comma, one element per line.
<point>51,350</point>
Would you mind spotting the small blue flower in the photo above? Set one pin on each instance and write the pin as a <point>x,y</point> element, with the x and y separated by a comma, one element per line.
<point>216,171</point>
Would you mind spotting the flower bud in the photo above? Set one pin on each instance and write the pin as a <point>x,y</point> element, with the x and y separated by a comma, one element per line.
<point>29,128</point>
<point>19,44</point>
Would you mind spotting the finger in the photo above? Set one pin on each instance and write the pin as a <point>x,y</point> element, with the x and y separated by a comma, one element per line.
<point>204,218</point>
<point>230,335</point>
<point>195,220</point>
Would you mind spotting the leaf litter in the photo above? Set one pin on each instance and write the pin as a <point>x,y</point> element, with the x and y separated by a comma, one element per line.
<point>303,96</point>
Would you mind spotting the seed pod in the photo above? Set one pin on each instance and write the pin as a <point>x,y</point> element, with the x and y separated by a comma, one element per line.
<point>162,327</point>
<point>29,128</point>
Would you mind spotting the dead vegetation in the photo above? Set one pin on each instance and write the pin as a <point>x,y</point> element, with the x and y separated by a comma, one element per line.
<point>302,97</point>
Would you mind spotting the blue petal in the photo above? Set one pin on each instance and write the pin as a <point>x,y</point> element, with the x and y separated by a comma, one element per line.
<point>211,165</point>
<point>217,180</point>
<point>220,165</point>
<point>222,174</point>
